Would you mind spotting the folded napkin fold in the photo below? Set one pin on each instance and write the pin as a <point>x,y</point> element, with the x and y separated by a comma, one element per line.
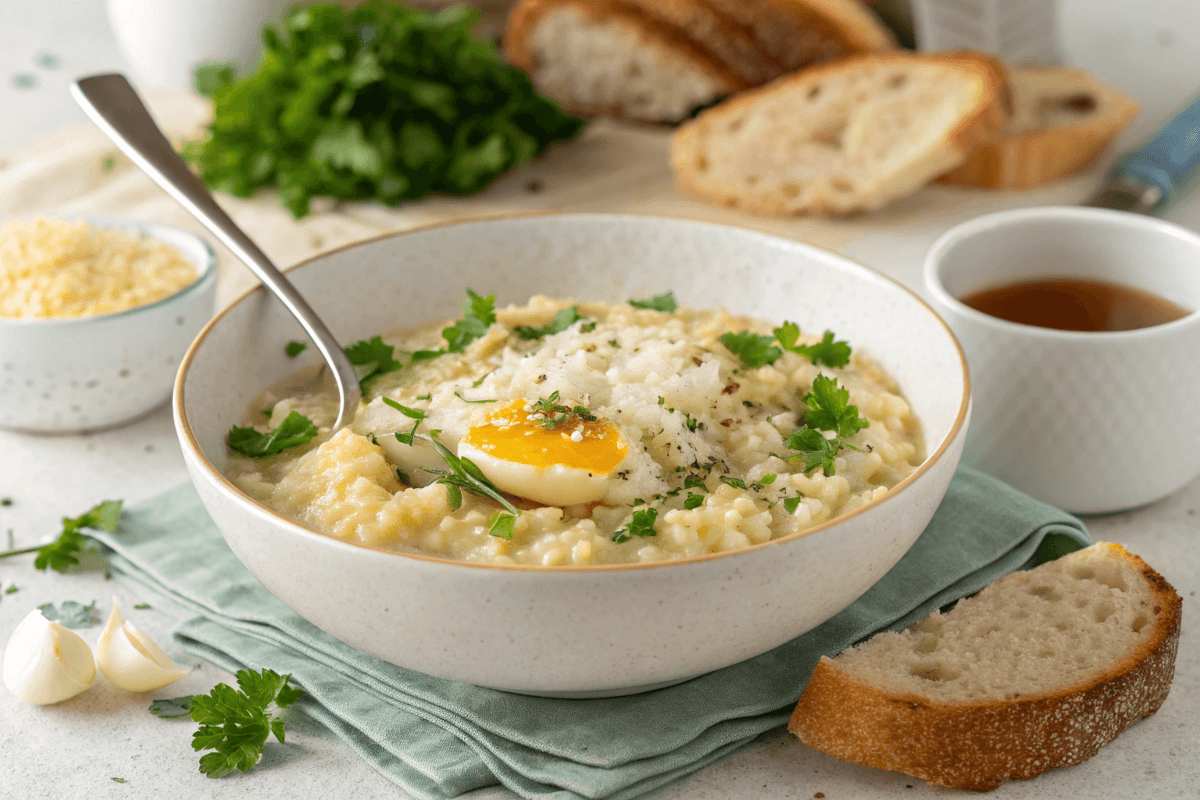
<point>437,738</point>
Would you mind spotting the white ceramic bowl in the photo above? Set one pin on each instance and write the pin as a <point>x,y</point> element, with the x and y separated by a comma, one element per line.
<point>1089,422</point>
<point>83,373</point>
<point>573,630</point>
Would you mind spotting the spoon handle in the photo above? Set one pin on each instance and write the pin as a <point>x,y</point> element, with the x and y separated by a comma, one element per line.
<point>117,110</point>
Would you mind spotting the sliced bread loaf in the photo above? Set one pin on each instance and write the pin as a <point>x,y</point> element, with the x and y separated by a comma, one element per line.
<point>657,60</point>
<point>1063,120</point>
<point>848,136</point>
<point>599,57</point>
<point>1038,670</point>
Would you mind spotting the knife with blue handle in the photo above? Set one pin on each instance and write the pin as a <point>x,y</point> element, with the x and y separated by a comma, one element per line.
<point>1145,179</point>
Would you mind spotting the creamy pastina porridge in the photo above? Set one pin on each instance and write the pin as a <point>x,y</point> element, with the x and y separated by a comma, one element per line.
<point>558,433</point>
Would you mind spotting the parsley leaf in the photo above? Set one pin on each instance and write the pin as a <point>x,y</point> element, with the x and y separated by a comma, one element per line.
<point>565,318</point>
<point>549,414</point>
<point>693,501</point>
<point>752,349</point>
<point>235,723</point>
<point>170,708</point>
<point>117,780</point>
<point>479,313</point>
<point>70,614</point>
<point>826,351</point>
<point>465,474</point>
<point>61,553</point>
<point>829,408</point>
<point>660,302</point>
<point>377,102</point>
<point>372,357</point>
<point>294,349</point>
<point>296,429</point>
<point>792,503</point>
<point>642,524</point>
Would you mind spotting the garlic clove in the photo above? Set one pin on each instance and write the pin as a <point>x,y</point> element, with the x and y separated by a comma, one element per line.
<point>131,659</point>
<point>46,663</point>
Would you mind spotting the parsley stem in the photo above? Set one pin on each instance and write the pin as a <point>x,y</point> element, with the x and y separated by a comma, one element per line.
<point>21,552</point>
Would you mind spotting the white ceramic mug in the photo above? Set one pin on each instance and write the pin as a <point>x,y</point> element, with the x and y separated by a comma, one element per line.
<point>1090,422</point>
<point>164,40</point>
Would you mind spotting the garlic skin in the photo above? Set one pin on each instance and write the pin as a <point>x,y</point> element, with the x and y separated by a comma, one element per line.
<point>131,659</point>
<point>46,663</point>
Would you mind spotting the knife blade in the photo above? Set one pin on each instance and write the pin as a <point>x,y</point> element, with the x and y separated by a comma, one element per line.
<point>1144,179</point>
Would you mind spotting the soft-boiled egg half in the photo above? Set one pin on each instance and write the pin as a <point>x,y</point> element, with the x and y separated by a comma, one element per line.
<point>565,464</point>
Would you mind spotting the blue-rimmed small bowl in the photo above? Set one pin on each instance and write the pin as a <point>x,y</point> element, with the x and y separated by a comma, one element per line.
<point>79,374</point>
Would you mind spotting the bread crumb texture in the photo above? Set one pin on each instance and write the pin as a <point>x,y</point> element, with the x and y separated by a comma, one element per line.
<point>843,137</point>
<point>55,268</point>
<point>1040,669</point>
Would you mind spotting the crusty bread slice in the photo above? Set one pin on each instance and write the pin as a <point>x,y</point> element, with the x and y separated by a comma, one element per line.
<point>1063,120</point>
<point>843,137</point>
<point>658,60</point>
<point>602,57</point>
<point>1039,670</point>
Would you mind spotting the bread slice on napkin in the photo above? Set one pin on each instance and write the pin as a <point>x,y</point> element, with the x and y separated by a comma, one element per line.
<point>1038,670</point>
<point>848,136</point>
<point>1063,120</point>
<point>657,60</point>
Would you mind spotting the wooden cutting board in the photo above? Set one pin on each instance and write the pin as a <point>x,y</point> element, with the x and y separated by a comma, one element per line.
<point>611,166</point>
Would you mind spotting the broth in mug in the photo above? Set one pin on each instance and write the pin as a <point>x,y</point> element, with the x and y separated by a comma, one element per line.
<point>1074,305</point>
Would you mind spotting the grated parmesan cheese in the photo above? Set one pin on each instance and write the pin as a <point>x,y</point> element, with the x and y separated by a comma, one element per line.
<point>55,268</point>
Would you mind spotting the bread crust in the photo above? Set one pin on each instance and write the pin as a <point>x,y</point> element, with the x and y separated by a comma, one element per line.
<point>1028,159</point>
<point>982,123</point>
<point>980,745</point>
<point>524,17</point>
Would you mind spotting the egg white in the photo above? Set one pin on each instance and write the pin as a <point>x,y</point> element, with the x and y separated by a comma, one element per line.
<point>555,485</point>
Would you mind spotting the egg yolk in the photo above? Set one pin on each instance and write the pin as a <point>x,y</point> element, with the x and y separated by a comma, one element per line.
<point>516,433</point>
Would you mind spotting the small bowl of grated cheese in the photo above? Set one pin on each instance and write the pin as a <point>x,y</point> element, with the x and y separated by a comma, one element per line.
<point>95,316</point>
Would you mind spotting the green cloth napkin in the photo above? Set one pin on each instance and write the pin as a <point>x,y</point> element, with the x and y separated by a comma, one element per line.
<point>437,738</point>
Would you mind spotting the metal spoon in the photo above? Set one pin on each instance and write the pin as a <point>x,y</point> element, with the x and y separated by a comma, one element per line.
<point>117,110</point>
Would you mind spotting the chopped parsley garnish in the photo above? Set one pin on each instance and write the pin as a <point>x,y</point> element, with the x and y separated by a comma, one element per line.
<point>6,501</point>
<point>829,410</point>
<point>479,313</point>
<point>758,351</point>
<point>792,503</point>
<point>756,486</point>
<point>294,349</point>
<point>63,551</point>
<point>465,475</point>
<point>754,350</point>
<point>402,476</point>
<point>826,351</point>
<point>565,318</point>
<point>296,429</point>
<point>170,708</point>
<point>372,357</point>
<point>694,482</point>
<point>692,423</point>
<point>554,414</point>
<point>411,413</point>
<point>660,302</point>
<point>642,525</point>
<point>12,589</point>
<point>235,723</point>
<point>693,501</point>
<point>465,400</point>
<point>70,614</point>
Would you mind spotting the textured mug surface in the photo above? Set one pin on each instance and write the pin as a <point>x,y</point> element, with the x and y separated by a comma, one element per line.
<point>571,630</point>
<point>78,374</point>
<point>1089,422</point>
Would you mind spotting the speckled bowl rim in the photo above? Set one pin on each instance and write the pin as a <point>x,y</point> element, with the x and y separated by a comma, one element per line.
<point>1011,222</point>
<point>188,439</point>
<point>206,273</point>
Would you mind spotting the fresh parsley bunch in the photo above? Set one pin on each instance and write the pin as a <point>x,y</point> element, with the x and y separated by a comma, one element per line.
<point>379,102</point>
<point>235,723</point>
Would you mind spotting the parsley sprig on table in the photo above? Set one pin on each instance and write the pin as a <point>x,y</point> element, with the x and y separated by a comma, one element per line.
<point>70,614</point>
<point>61,553</point>
<point>379,102</point>
<point>829,410</point>
<point>757,350</point>
<point>235,723</point>
<point>296,429</point>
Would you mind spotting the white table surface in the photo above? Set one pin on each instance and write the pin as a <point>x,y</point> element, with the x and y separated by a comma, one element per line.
<point>1151,49</point>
